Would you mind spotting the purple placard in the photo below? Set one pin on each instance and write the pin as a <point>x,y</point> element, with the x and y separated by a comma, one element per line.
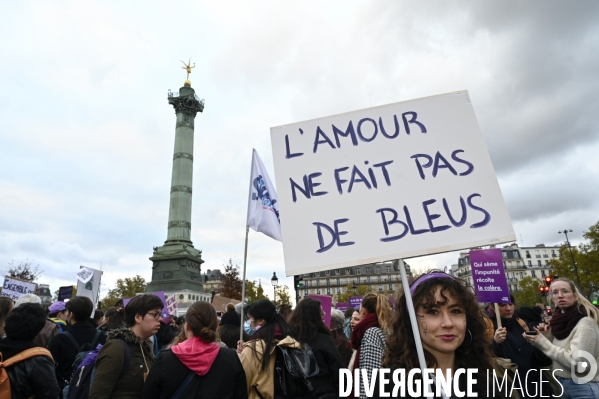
<point>327,303</point>
<point>488,276</point>
<point>355,302</point>
<point>342,306</point>
<point>65,293</point>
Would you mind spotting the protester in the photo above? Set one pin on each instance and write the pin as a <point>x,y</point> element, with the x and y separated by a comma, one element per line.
<point>369,335</point>
<point>214,372</point>
<point>49,330</point>
<point>63,348</point>
<point>346,324</point>
<point>285,311</point>
<point>451,329</point>
<point>33,377</point>
<point>509,343</point>
<point>142,318</point>
<point>164,337</point>
<point>57,312</point>
<point>339,337</point>
<point>269,329</point>
<point>6,306</point>
<point>356,317</point>
<point>228,330</point>
<point>113,318</point>
<point>308,326</point>
<point>96,319</point>
<point>573,328</point>
<point>533,316</point>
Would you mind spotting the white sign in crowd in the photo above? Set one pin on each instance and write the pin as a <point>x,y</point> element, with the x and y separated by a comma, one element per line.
<point>390,182</point>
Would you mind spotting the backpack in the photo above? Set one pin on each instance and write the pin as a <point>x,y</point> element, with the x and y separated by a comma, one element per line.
<point>294,369</point>
<point>81,382</point>
<point>83,350</point>
<point>5,391</point>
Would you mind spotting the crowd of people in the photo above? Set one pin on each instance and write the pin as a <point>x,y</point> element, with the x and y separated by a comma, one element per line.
<point>134,353</point>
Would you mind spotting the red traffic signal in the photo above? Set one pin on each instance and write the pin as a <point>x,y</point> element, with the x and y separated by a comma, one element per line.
<point>543,291</point>
<point>548,280</point>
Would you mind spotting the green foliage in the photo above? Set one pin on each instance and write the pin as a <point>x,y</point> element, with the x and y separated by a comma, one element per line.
<point>348,292</point>
<point>283,295</point>
<point>254,292</point>
<point>124,288</point>
<point>586,256</point>
<point>24,271</point>
<point>528,292</point>
<point>231,283</point>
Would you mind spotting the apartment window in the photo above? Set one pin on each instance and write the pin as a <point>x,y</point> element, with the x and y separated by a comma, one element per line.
<point>338,281</point>
<point>357,270</point>
<point>528,254</point>
<point>318,283</point>
<point>337,271</point>
<point>367,279</point>
<point>380,279</point>
<point>358,280</point>
<point>347,271</point>
<point>516,254</point>
<point>388,269</point>
<point>327,272</point>
<point>517,263</point>
<point>533,273</point>
<point>318,292</point>
<point>380,288</point>
<point>504,254</point>
<point>530,263</point>
<point>391,287</point>
<point>377,270</point>
<point>338,290</point>
<point>328,282</point>
<point>328,291</point>
<point>367,270</point>
<point>540,263</point>
<point>542,273</point>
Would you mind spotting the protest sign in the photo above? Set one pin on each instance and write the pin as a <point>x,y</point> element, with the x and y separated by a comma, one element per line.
<point>342,306</point>
<point>65,293</point>
<point>396,181</point>
<point>84,274</point>
<point>488,276</point>
<point>355,302</point>
<point>91,287</point>
<point>14,288</point>
<point>171,304</point>
<point>327,304</point>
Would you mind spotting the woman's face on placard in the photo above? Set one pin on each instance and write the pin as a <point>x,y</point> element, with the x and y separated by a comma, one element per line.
<point>442,325</point>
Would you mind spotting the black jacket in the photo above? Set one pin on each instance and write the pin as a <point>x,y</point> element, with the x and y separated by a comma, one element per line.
<point>64,352</point>
<point>329,362</point>
<point>34,376</point>
<point>226,378</point>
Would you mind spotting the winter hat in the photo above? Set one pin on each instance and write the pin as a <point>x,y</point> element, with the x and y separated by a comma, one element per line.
<point>57,307</point>
<point>230,318</point>
<point>28,298</point>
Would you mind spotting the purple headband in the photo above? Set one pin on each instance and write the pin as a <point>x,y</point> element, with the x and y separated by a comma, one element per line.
<point>428,277</point>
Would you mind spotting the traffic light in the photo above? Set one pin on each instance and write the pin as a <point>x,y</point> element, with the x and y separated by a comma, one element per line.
<point>548,280</point>
<point>298,282</point>
<point>544,291</point>
<point>549,312</point>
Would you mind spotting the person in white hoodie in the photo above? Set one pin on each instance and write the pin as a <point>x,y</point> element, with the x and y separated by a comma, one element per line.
<point>572,341</point>
<point>197,367</point>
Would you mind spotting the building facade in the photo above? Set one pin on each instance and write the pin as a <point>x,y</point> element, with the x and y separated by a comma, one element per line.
<point>379,277</point>
<point>518,262</point>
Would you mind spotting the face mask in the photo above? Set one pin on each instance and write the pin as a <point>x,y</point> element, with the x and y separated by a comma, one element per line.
<point>248,328</point>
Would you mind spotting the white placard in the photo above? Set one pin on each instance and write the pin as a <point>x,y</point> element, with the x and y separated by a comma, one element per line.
<point>391,182</point>
<point>171,304</point>
<point>14,288</point>
<point>90,288</point>
<point>84,275</point>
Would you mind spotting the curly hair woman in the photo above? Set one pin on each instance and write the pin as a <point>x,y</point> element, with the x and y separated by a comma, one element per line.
<point>451,329</point>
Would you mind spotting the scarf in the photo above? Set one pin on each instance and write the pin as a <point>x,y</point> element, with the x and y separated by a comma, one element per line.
<point>562,324</point>
<point>370,320</point>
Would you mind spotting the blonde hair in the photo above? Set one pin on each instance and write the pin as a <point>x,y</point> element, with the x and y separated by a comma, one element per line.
<point>379,304</point>
<point>582,301</point>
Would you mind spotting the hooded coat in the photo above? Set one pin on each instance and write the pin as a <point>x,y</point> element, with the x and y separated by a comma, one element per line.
<point>110,363</point>
<point>218,372</point>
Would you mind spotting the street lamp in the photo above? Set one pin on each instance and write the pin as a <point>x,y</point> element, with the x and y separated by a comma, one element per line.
<point>354,287</point>
<point>274,281</point>
<point>566,231</point>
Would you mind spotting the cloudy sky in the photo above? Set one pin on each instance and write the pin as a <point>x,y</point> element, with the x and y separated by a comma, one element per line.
<point>86,133</point>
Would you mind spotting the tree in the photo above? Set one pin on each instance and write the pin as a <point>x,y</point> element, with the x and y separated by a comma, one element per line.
<point>24,271</point>
<point>528,293</point>
<point>283,295</point>
<point>254,292</point>
<point>124,288</point>
<point>231,283</point>
<point>586,256</point>
<point>348,292</point>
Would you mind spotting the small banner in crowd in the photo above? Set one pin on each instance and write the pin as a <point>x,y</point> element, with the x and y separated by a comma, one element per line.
<point>171,304</point>
<point>14,288</point>
<point>488,276</point>
<point>342,306</point>
<point>84,274</point>
<point>89,286</point>
<point>327,304</point>
<point>65,293</point>
<point>355,302</point>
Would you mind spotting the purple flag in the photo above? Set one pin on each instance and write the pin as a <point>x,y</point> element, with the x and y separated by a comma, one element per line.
<point>488,276</point>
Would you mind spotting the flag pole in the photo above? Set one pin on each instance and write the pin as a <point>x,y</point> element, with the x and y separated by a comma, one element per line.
<point>245,251</point>
<point>412,314</point>
<point>245,256</point>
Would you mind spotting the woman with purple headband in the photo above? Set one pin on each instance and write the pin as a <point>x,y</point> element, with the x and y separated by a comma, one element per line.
<point>451,329</point>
